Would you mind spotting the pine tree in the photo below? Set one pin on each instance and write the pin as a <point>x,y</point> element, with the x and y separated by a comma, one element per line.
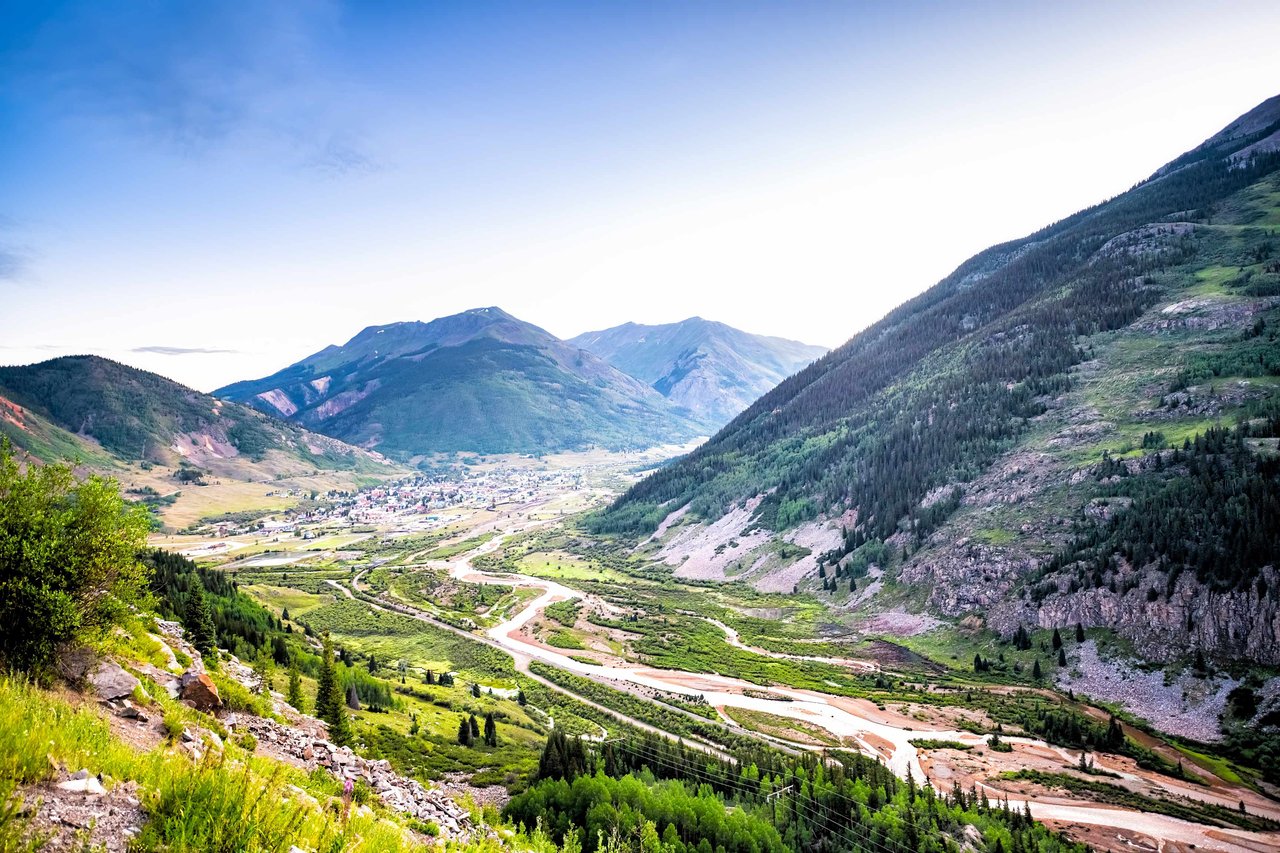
<point>521,700</point>
<point>295,686</point>
<point>329,698</point>
<point>340,727</point>
<point>1036,672</point>
<point>325,681</point>
<point>1079,633</point>
<point>284,615</point>
<point>490,730</point>
<point>475,726</point>
<point>1062,657</point>
<point>262,670</point>
<point>475,689</point>
<point>464,732</point>
<point>353,698</point>
<point>1057,640</point>
<point>198,620</point>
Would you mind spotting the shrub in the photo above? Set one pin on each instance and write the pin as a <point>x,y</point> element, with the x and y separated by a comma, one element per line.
<point>68,560</point>
<point>172,726</point>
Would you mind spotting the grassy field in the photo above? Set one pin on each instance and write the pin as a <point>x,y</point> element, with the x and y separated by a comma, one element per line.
<point>568,567</point>
<point>279,598</point>
<point>796,731</point>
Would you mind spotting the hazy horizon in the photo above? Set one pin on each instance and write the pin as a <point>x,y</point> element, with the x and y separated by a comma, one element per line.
<point>215,192</point>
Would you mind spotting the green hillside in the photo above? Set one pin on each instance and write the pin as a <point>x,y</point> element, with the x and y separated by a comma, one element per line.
<point>103,412</point>
<point>479,381</point>
<point>986,409</point>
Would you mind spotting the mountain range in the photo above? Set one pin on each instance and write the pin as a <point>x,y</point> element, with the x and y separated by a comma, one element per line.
<point>1078,426</point>
<point>713,370</point>
<point>480,381</point>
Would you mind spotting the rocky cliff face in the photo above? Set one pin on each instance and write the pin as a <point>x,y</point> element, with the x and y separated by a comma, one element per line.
<point>1224,625</point>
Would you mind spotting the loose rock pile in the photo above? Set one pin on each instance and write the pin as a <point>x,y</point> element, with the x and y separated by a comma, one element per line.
<point>407,796</point>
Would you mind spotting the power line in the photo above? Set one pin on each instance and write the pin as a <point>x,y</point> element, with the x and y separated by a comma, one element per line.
<point>812,814</point>
<point>809,811</point>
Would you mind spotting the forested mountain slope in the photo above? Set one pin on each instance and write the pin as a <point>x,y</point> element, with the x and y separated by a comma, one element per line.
<point>1020,441</point>
<point>104,412</point>
<point>478,381</point>
<point>711,369</point>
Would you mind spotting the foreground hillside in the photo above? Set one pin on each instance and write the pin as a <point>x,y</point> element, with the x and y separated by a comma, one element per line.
<point>1079,426</point>
<point>713,370</point>
<point>479,381</point>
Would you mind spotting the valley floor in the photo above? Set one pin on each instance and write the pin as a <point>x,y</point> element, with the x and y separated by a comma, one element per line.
<point>609,631</point>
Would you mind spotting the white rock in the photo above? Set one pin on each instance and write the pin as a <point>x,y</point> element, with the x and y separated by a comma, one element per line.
<point>90,786</point>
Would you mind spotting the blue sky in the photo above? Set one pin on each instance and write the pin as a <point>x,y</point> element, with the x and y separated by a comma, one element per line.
<point>213,190</point>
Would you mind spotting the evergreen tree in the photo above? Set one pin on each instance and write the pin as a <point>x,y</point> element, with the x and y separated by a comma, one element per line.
<point>198,620</point>
<point>490,730</point>
<point>464,732</point>
<point>295,686</point>
<point>329,698</point>
<point>475,726</point>
<point>1079,633</point>
<point>284,615</point>
<point>1062,657</point>
<point>353,698</point>
<point>262,671</point>
<point>1036,672</point>
<point>1057,640</point>
<point>520,699</point>
<point>325,680</point>
<point>475,689</point>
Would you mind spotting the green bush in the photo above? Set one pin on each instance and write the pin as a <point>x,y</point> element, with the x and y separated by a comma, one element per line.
<point>68,561</point>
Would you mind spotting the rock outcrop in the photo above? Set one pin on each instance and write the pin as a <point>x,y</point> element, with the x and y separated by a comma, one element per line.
<point>407,796</point>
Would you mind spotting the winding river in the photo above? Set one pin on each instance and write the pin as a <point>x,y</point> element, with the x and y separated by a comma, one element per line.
<point>844,718</point>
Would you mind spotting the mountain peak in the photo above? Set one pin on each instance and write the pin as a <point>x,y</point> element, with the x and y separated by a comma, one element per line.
<point>479,380</point>
<point>712,369</point>
<point>1255,133</point>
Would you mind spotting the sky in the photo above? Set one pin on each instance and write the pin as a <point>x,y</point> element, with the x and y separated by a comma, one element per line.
<point>214,190</point>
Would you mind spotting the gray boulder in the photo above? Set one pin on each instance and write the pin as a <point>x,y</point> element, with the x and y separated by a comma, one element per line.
<point>110,681</point>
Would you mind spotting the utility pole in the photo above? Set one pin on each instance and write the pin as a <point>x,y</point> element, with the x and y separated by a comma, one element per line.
<point>772,799</point>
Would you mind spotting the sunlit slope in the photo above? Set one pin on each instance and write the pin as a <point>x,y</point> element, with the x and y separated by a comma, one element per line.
<point>478,381</point>
<point>967,429</point>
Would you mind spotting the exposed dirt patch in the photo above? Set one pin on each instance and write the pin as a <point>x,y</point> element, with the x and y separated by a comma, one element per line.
<point>898,623</point>
<point>78,821</point>
<point>703,551</point>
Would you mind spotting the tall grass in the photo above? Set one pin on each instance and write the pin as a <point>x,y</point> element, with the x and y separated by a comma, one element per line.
<point>212,807</point>
<point>37,730</point>
<point>226,802</point>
